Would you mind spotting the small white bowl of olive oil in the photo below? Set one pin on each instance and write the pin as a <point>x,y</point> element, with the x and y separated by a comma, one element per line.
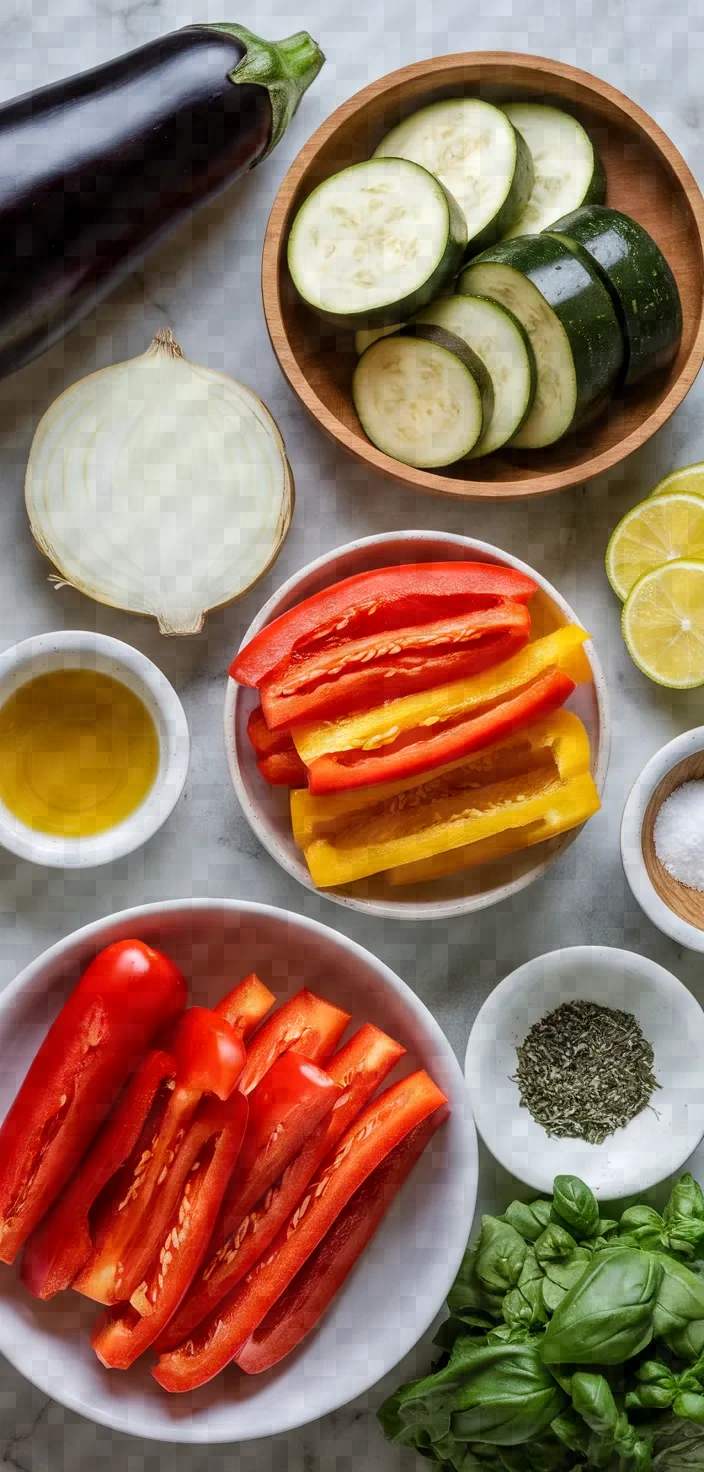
<point>94,749</point>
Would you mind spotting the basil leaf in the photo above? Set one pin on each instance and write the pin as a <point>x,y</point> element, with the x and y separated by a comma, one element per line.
<point>500,1256</point>
<point>453,1328</point>
<point>683,1217</point>
<point>468,1295</point>
<point>678,1446</point>
<point>690,1406</point>
<point>680,1297</point>
<point>643,1226</point>
<point>687,1343</point>
<point>594,1402</point>
<point>607,1317</point>
<point>570,1429</point>
<point>554,1245</point>
<point>508,1396</point>
<point>576,1205</point>
<point>530,1219</point>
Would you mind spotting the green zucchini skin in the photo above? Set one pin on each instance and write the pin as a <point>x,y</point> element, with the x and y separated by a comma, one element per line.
<point>404,306</point>
<point>514,203</point>
<point>461,349</point>
<point>582,304</point>
<point>637,276</point>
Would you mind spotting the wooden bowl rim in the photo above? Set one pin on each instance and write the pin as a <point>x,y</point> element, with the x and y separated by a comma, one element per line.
<point>417,479</point>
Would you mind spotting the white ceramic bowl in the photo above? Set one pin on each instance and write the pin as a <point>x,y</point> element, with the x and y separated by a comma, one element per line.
<point>655,1143</point>
<point>687,745</point>
<point>72,649</point>
<point>267,809</point>
<point>401,1281</point>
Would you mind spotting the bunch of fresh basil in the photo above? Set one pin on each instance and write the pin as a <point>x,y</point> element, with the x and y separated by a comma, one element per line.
<point>574,1341</point>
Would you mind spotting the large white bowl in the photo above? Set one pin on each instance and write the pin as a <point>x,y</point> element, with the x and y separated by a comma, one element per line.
<point>267,808</point>
<point>403,1277</point>
<point>655,1143</point>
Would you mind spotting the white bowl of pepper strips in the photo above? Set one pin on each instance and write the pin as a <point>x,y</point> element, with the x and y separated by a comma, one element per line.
<point>587,1061</point>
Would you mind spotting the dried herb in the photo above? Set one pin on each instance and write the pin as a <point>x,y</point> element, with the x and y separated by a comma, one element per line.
<point>585,1071</point>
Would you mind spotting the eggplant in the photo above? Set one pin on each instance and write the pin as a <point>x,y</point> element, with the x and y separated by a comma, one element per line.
<point>96,170</point>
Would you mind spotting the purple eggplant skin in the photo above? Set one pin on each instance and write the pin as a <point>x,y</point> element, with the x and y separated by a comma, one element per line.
<point>96,170</point>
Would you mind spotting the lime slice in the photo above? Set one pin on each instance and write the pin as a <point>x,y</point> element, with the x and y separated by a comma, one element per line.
<point>660,530</point>
<point>663,624</point>
<point>688,478</point>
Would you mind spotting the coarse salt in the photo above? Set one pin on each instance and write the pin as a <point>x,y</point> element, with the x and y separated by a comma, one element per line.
<point>679,834</point>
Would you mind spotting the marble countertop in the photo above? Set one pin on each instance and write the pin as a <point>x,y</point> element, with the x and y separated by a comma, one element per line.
<point>205,285</point>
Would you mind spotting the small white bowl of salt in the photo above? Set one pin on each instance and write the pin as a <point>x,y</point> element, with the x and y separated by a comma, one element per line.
<point>662,839</point>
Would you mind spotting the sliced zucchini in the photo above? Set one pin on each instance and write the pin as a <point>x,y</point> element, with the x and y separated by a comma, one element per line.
<point>571,323</point>
<point>367,335</point>
<point>422,396</point>
<point>484,163</point>
<point>635,272</point>
<point>374,243</point>
<point>566,166</point>
<point>498,338</point>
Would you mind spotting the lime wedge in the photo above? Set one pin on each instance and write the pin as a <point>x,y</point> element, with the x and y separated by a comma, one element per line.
<point>663,624</point>
<point>688,478</point>
<point>660,530</point>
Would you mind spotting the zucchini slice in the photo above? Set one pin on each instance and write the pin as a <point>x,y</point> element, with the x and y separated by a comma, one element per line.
<point>374,243</point>
<point>498,338</point>
<point>571,323</point>
<point>635,272</point>
<point>477,154</point>
<point>422,396</point>
<point>364,338</point>
<point>566,166</point>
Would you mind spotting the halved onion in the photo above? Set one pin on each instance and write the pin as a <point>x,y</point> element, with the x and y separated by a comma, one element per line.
<point>160,487</point>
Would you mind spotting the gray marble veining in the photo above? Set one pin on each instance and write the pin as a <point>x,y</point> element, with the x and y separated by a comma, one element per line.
<point>205,286</point>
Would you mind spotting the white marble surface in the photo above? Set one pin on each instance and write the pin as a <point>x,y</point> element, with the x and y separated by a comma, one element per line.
<point>205,286</point>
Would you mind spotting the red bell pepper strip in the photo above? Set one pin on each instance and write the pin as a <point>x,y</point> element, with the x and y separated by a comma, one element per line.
<point>214,1139</point>
<point>304,1302</point>
<point>283,769</point>
<point>61,1245</point>
<point>375,602</point>
<point>366,672</point>
<point>284,1109</point>
<point>246,1006</point>
<point>421,750</point>
<point>127,995</point>
<point>358,1069</point>
<point>131,1215</point>
<point>264,741</point>
<point>305,1022</point>
<point>376,1131</point>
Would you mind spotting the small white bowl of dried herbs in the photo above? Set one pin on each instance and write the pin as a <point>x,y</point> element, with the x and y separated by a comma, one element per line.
<point>587,1062</point>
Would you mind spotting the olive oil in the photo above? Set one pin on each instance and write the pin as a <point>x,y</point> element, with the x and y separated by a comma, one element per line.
<point>79,752</point>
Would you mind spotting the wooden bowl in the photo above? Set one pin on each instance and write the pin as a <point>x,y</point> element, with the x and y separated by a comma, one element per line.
<point>646,177</point>
<point>672,906</point>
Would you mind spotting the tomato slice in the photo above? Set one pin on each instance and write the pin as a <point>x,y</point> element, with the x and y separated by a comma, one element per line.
<point>246,1006</point>
<point>126,996</point>
<point>305,1022</point>
<point>374,602</point>
<point>214,1139</point>
<point>358,1069</point>
<point>423,749</point>
<point>376,1131</point>
<point>61,1245</point>
<point>365,672</point>
<point>303,1303</point>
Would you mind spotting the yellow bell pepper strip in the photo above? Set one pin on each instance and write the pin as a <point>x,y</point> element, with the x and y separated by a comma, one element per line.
<point>321,817</point>
<point>577,801</point>
<point>420,732</point>
<point>513,785</point>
